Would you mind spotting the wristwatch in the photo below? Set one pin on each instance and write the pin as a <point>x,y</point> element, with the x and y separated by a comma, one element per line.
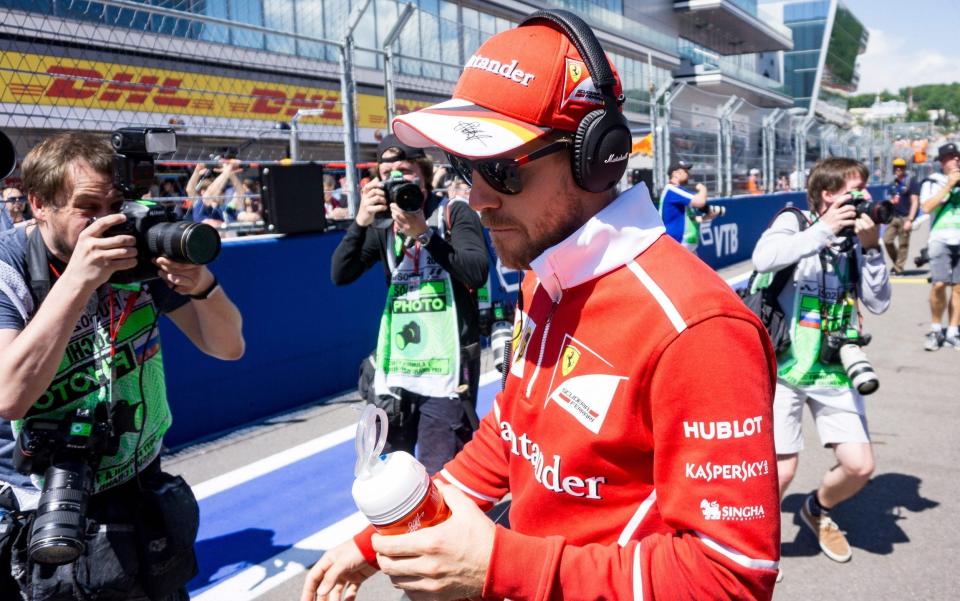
<point>206,293</point>
<point>424,238</point>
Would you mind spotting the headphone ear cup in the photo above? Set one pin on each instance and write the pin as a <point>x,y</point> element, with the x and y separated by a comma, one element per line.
<point>581,171</point>
<point>600,151</point>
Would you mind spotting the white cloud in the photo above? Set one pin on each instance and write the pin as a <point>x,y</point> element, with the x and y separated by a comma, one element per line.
<point>891,63</point>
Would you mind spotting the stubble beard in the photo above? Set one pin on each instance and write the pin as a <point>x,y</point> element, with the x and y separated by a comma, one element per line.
<point>550,229</point>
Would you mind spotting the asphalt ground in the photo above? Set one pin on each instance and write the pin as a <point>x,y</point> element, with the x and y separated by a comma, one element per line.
<point>901,526</point>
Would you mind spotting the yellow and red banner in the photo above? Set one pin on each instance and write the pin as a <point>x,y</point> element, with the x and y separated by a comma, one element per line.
<point>51,80</point>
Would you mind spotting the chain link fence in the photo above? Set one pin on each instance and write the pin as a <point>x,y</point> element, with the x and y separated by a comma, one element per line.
<point>225,86</point>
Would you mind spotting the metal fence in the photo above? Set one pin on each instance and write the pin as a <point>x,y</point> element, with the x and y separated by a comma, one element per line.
<point>263,92</point>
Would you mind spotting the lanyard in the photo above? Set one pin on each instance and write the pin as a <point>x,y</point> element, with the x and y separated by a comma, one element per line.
<point>414,255</point>
<point>127,309</point>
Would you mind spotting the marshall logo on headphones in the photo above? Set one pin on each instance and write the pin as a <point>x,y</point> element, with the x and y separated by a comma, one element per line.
<point>578,85</point>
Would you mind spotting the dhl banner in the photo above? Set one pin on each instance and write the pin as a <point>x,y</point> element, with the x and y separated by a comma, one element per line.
<point>51,80</point>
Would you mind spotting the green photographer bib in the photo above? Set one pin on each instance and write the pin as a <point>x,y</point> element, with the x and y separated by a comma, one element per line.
<point>89,374</point>
<point>418,346</point>
<point>947,215</point>
<point>800,364</point>
<point>691,228</point>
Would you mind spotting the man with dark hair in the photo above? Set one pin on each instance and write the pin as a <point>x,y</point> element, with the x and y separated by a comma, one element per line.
<point>428,351</point>
<point>82,356</point>
<point>904,194</point>
<point>631,474</point>
<point>837,264</point>
<point>940,196</point>
<point>14,209</point>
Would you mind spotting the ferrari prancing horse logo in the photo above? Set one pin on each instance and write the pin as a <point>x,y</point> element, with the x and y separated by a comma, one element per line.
<point>576,71</point>
<point>570,358</point>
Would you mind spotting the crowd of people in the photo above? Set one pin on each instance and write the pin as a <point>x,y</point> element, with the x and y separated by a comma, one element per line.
<point>621,462</point>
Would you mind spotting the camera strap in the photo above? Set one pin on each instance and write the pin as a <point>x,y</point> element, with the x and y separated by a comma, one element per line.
<point>127,309</point>
<point>39,266</point>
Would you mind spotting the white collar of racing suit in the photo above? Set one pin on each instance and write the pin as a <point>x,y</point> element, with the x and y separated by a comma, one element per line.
<point>608,240</point>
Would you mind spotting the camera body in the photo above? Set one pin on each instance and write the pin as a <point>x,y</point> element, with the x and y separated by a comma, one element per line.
<point>65,451</point>
<point>157,230</point>
<point>406,194</point>
<point>880,211</point>
<point>846,350</point>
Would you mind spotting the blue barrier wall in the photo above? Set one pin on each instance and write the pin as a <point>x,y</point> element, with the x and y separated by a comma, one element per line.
<point>305,337</point>
<point>730,239</point>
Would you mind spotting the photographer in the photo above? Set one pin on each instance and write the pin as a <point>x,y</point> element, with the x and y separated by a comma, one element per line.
<point>681,210</point>
<point>836,262</point>
<point>940,197</point>
<point>13,211</point>
<point>904,194</point>
<point>81,365</point>
<point>441,259</point>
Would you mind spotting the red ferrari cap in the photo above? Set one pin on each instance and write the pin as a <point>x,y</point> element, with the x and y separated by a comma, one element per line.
<point>519,85</point>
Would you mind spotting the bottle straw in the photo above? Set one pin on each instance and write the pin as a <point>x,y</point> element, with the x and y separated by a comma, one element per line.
<point>370,440</point>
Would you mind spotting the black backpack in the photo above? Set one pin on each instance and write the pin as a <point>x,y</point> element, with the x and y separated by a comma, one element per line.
<point>764,301</point>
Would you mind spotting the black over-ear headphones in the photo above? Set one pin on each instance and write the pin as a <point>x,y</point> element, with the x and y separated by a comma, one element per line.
<point>602,142</point>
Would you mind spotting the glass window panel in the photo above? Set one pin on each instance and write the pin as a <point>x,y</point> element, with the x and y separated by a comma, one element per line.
<point>488,25</point>
<point>245,11</point>
<point>278,14</point>
<point>309,22</point>
<point>430,43</point>
<point>215,33</point>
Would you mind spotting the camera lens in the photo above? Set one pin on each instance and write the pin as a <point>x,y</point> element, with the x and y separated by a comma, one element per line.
<point>407,195</point>
<point>880,212</point>
<point>184,242</point>
<point>57,536</point>
<point>858,369</point>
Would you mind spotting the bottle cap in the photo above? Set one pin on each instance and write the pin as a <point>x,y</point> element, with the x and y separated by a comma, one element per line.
<point>392,489</point>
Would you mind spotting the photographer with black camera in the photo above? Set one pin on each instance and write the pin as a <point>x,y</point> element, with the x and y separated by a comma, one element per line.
<point>83,408</point>
<point>683,210</point>
<point>434,259</point>
<point>833,254</point>
<point>940,197</point>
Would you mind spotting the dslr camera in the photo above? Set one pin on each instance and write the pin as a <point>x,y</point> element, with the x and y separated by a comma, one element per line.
<point>67,451</point>
<point>839,347</point>
<point>406,194</point>
<point>712,211</point>
<point>157,230</point>
<point>880,211</point>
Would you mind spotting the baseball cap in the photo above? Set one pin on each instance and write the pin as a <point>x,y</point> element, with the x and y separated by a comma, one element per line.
<point>401,151</point>
<point>518,86</point>
<point>899,162</point>
<point>679,165</point>
<point>754,171</point>
<point>947,150</point>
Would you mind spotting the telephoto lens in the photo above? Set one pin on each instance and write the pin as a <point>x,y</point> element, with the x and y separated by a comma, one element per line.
<point>184,242</point>
<point>717,211</point>
<point>58,532</point>
<point>500,334</point>
<point>858,369</point>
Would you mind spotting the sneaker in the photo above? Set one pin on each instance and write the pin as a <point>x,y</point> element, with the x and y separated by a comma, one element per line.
<point>952,341</point>
<point>832,541</point>
<point>779,575</point>
<point>934,340</point>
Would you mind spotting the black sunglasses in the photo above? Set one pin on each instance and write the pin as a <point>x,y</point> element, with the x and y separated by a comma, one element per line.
<point>502,174</point>
<point>16,199</point>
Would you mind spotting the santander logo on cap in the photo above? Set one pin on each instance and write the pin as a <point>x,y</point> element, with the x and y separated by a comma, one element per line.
<point>508,70</point>
<point>519,85</point>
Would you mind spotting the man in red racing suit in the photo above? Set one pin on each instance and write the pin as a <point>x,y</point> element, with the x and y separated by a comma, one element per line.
<point>634,431</point>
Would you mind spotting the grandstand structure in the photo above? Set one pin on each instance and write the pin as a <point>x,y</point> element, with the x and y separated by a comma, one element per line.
<point>266,79</point>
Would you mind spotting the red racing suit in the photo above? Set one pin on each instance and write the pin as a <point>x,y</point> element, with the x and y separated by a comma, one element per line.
<point>634,432</point>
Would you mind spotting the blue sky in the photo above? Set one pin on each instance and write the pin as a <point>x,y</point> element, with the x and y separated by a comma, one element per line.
<point>911,42</point>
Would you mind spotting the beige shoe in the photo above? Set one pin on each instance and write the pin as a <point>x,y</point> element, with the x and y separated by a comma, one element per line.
<point>832,541</point>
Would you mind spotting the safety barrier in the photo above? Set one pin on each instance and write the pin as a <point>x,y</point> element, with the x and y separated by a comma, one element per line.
<point>305,337</point>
